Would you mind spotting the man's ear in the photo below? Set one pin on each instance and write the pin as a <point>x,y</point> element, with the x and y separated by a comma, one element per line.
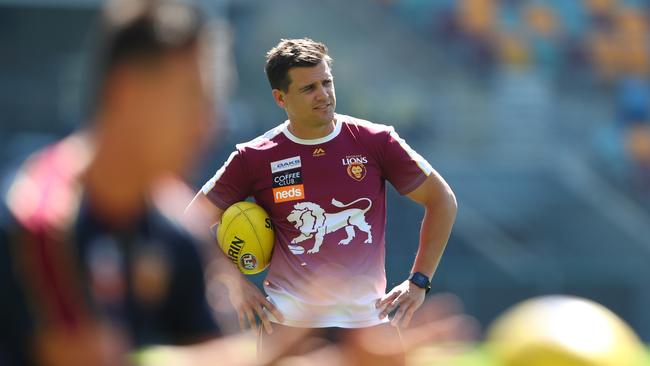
<point>278,96</point>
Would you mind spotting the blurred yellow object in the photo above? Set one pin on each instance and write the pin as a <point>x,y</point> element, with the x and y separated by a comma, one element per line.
<point>563,331</point>
<point>159,356</point>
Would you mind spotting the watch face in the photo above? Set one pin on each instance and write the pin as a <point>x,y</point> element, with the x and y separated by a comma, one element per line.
<point>420,280</point>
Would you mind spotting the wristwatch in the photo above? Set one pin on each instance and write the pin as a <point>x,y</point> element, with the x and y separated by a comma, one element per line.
<point>420,280</point>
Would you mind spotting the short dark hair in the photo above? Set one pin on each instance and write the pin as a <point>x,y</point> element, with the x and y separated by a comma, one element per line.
<point>290,53</point>
<point>131,31</point>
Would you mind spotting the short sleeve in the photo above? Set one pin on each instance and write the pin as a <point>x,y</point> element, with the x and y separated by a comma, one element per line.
<point>230,184</point>
<point>402,166</point>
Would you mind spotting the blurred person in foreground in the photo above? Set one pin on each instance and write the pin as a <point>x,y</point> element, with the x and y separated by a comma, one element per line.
<point>322,178</point>
<point>96,269</point>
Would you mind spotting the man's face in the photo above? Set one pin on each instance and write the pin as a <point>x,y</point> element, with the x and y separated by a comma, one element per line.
<point>310,99</point>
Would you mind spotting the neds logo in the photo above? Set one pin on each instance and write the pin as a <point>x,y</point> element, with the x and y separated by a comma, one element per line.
<point>288,193</point>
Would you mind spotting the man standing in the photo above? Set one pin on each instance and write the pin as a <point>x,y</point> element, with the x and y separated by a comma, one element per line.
<point>321,177</point>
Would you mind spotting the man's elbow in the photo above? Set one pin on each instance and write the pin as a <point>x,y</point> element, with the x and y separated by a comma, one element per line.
<point>449,201</point>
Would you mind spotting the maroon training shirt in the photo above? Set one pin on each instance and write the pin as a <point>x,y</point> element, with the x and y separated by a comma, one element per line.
<point>327,200</point>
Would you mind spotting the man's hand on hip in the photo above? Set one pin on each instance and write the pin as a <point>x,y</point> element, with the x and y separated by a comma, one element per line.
<point>406,298</point>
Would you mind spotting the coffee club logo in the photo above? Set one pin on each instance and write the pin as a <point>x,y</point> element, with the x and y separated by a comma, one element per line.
<point>355,166</point>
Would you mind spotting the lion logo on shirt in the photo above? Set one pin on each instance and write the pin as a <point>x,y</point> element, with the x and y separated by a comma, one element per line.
<point>313,221</point>
<point>357,171</point>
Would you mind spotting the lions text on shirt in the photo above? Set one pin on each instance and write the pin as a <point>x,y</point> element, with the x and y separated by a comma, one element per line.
<point>327,200</point>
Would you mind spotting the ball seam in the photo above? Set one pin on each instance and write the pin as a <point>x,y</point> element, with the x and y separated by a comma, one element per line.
<point>255,231</point>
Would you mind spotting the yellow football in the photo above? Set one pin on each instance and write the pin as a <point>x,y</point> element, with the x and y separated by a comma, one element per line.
<point>246,236</point>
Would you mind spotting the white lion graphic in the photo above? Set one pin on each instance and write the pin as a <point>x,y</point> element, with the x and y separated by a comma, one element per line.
<point>312,220</point>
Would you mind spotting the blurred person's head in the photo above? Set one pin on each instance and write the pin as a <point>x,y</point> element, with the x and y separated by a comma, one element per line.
<point>632,42</point>
<point>637,143</point>
<point>477,17</point>
<point>600,7</point>
<point>302,82</point>
<point>152,95</point>
<point>563,331</point>
<point>541,20</point>
<point>513,50</point>
<point>603,54</point>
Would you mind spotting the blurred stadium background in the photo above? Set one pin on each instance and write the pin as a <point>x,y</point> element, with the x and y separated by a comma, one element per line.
<point>536,112</point>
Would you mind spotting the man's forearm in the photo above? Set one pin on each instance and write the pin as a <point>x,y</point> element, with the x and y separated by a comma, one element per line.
<point>434,233</point>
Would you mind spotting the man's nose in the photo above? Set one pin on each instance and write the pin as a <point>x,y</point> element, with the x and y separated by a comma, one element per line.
<point>321,92</point>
